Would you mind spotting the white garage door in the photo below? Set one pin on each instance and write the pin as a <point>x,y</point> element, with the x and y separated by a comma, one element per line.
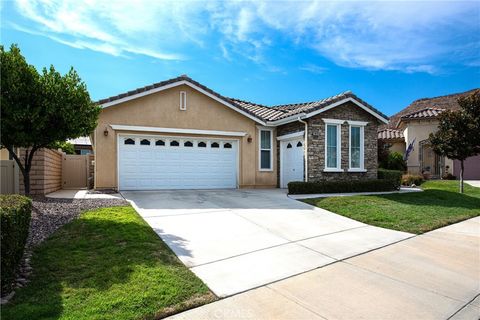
<point>152,163</point>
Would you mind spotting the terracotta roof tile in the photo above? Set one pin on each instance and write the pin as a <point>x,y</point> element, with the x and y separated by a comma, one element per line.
<point>390,134</point>
<point>448,102</point>
<point>261,112</point>
<point>423,114</point>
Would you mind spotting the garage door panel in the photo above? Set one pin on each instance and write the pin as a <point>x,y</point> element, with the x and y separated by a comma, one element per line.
<point>151,167</point>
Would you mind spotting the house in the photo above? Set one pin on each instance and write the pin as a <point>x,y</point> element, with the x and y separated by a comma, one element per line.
<point>81,145</point>
<point>179,134</point>
<point>414,125</point>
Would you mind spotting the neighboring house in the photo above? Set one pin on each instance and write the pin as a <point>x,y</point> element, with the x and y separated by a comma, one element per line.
<point>414,124</point>
<point>179,134</point>
<point>82,145</point>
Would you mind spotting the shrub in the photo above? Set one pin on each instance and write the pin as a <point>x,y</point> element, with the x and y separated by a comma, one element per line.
<point>394,175</point>
<point>15,214</point>
<point>395,162</point>
<point>409,179</point>
<point>449,176</point>
<point>373,185</point>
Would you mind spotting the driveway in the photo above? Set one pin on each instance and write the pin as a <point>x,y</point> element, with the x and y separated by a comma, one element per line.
<point>432,276</point>
<point>236,240</point>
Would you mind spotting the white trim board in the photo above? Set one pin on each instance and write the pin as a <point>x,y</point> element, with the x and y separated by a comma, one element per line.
<point>291,135</point>
<point>177,130</point>
<point>176,84</point>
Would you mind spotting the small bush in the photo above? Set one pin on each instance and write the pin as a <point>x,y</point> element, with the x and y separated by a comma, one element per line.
<point>373,185</point>
<point>15,214</point>
<point>394,175</point>
<point>409,179</point>
<point>395,162</point>
<point>449,176</point>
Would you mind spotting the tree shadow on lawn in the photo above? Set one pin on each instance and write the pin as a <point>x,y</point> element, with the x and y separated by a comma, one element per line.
<point>436,198</point>
<point>93,267</point>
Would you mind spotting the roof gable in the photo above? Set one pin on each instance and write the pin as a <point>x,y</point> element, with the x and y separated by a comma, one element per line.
<point>265,115</point>
<point>447,102</point>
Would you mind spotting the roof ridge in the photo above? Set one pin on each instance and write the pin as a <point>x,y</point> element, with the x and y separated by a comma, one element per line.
<point>315,101</point>
<point>444,96</point>
<point>249,102</point>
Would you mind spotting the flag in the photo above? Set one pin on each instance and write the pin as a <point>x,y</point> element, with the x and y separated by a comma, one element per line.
<point>409,150</point>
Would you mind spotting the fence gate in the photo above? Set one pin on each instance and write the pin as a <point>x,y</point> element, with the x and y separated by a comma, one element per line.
<point>74,171</point>
<point>9,177</point>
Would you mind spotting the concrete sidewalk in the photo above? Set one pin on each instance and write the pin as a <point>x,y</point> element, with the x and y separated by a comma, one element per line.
<point>432,276</point>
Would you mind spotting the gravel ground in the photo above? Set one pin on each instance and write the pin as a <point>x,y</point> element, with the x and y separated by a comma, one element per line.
<point>49,214</point>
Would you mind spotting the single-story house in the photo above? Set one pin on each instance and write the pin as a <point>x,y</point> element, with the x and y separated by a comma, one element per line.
<point>81,145</point>
<point>414,125</point>
<point>179,134</point>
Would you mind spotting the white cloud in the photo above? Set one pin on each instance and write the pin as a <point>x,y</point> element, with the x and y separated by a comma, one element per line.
<point>313,68</point>
<point>406,36</point>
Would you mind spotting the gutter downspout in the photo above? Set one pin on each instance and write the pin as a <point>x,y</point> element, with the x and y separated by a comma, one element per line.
<point>305,149</point>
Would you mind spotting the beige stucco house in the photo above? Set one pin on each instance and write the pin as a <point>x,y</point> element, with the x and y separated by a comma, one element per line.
<point>413,125</point>
<point>179,134</point>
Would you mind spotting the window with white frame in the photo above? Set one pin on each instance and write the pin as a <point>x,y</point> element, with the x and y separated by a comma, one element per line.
<point>265,150</point>
<point>333,161</point>
<point>356,145</point>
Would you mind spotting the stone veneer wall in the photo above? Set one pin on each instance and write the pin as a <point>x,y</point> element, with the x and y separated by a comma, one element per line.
<point>316,143</point>
<point>45,173</point>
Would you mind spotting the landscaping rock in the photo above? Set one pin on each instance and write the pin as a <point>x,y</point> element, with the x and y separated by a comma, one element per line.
<point>49,214</point>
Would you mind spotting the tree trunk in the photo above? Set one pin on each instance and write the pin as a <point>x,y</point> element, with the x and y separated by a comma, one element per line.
<point>461,176</point>
<point>24,168</point>
<point>26,181</point>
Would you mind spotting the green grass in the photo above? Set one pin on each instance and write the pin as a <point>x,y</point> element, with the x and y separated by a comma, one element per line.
<point>438,205</point>
<point>108,264</point>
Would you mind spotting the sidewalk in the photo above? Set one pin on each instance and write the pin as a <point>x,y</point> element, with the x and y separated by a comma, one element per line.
<point>430,276</point>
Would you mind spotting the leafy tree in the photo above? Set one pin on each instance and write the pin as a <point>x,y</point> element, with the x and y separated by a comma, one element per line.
<point>458,132</point>
<point>39,109</point>
<point>66,146</point>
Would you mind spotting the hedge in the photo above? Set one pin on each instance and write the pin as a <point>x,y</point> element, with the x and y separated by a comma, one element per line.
<point>409,179</point>
<point>15,215</point>
<point>395,175</point>
<point>373,185</point>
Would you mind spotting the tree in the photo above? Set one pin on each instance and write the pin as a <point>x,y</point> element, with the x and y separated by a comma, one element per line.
<point>458,132</point>
<point>66,146</point>
<point>38,110</point>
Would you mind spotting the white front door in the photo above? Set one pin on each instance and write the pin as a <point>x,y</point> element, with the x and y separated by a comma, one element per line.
<point>292,161</point>
<point>156,162</point>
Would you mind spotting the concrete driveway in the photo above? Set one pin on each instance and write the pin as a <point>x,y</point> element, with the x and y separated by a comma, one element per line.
<point>236,240</point>
<point>432,276</point>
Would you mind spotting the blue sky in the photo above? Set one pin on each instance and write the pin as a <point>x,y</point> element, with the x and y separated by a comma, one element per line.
<point>269,52</point>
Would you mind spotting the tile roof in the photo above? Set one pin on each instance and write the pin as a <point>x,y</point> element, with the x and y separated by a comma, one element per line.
<point>261,112</point>
<point>448,102</point>
<point>390,134</point>
<point>423,114</point>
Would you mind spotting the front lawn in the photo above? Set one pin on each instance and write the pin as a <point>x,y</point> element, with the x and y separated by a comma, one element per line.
<point>107,264</point>
<point>438,205</point>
